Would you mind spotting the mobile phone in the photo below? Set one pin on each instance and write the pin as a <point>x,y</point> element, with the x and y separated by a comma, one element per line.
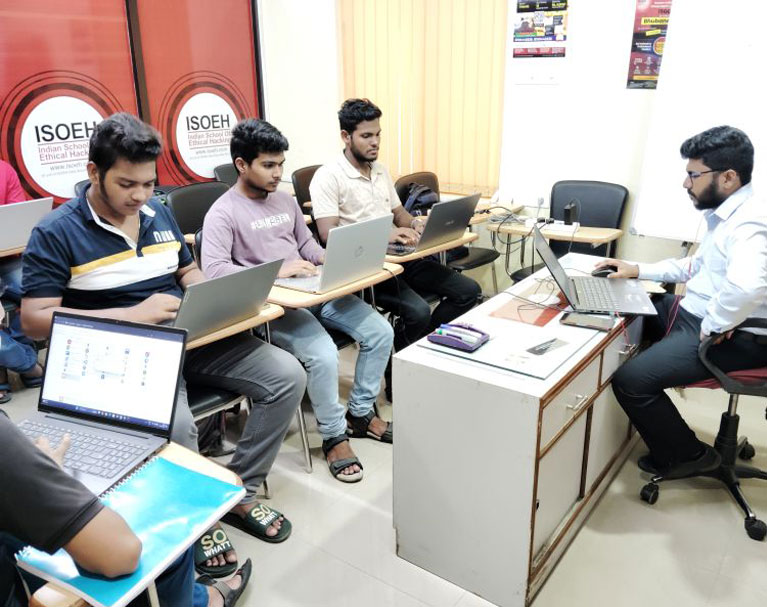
<point>588,321</point>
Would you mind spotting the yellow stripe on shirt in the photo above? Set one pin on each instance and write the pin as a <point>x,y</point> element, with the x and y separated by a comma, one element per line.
<point>100,263</point>
<point>161,247</point>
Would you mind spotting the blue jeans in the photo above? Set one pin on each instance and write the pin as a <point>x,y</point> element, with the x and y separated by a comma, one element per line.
<point>302,333</point>
<point>17,351</point>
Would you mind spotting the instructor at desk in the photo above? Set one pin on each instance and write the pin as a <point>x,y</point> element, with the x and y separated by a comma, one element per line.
<point>726,283</point>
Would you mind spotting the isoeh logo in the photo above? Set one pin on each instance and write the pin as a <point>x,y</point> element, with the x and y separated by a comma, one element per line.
<point>54,143</point>
<point>203,130</point>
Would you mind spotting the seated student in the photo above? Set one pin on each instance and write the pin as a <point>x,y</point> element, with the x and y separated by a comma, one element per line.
<point>355,187</point>
<point>117,253</point>
<point>726,283</point>
<point>254,223</point>
<point>43,506</point>
<point>17,351</point>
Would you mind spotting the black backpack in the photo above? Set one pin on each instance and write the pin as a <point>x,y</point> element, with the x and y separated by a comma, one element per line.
<point>420,199</point>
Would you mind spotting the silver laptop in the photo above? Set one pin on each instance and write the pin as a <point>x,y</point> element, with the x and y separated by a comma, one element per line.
<point>354,251</point>
<point>595,295</point>
<point>17,220</point>
<point>217,303</point>
<point>447,221</point>
<point>112,386</point>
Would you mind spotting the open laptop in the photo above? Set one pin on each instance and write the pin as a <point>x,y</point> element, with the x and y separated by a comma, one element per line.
<point>112,386</point>
<point>595,295</point>
<point>217,303</point>
<point>447,221</point>
<point>18,218</point>
<point>353,252</point>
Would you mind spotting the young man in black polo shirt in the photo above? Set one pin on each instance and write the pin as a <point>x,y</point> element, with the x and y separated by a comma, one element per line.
<point>115,252</point>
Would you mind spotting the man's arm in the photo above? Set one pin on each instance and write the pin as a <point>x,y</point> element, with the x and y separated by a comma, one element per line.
<point>106,545</point>
<point>189,275</point>
<point>324,225</point>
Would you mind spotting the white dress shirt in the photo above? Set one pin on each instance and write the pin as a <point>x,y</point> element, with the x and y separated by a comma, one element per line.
<point>727,276</point>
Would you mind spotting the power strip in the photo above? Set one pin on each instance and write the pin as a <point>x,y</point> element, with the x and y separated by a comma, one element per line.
<point>555,226</point>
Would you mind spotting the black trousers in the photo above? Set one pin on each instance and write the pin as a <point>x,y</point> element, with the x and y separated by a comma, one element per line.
<point>672,361</point>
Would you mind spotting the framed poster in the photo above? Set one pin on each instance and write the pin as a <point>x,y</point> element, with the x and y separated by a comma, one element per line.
<point>648,42</point>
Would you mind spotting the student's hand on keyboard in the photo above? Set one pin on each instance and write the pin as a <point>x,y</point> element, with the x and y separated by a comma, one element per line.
<point>57,454</point>
<point>155,309</point>
<point>404,236</point>
<point>297,267</point>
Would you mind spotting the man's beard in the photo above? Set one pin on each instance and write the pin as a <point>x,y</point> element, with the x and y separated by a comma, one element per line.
<point>710,198</point>
<point>358,156</point>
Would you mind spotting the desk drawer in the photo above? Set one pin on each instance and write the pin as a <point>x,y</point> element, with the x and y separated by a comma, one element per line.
<point>569,402</point>
<point>621,348</point>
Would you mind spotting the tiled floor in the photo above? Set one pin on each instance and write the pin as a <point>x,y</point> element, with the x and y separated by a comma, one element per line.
<point>689,549</point>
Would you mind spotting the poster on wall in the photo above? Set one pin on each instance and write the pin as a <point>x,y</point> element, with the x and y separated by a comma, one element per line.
<point>64,69</point>
<point>649,38</point>
<point>539,31</point>
<point>541,21</point>
<point>193,88</point>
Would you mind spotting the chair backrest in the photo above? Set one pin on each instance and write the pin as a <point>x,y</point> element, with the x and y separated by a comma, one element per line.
<point>198,247</point>
<point>601,206</point>
<point>226,173</point>
<point>80,186</point>
<point>190,203</point>
<point>301,179</point>
<point>423,178</point>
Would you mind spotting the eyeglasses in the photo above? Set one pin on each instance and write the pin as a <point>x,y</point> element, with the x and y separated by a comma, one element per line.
<point>693,175</point>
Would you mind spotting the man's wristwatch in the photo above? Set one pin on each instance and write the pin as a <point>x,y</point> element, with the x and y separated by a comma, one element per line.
<point>416,220</point>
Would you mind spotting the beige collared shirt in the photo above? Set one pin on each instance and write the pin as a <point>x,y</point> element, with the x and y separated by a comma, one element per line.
<point>340,190</point>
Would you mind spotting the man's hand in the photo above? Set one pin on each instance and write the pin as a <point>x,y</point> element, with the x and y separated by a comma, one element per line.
<point>57,454</point>
<point>719,338</point>
<point>418,224</point>
<point>155,309</point>
<point>625,270</point>
<point>297,267</point>
<point>404,235</point>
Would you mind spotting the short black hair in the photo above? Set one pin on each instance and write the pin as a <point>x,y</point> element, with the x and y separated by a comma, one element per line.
<point>354,111</point>
<point>722,148</point>
<point>251,137</point>
<point>123,136</point>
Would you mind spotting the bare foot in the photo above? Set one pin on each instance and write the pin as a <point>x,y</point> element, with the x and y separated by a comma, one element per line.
<point>377,426</point>
<point>219,560</point>
<point>343,450</point>
<point>214,596</point>
<point>242,510</point>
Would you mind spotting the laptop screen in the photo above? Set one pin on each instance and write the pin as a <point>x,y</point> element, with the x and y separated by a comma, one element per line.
<point>552,263</point>
<point>114,372</point>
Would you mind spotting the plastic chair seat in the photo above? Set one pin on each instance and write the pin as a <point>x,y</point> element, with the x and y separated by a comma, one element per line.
<point>205,400</point>
<point>748,376</point>
<point>477,256</point>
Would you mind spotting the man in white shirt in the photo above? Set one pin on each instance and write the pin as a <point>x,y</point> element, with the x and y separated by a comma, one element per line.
<point>726,283</point>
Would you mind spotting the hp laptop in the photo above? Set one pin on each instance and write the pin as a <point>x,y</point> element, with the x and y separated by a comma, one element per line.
<point>447,221</point>
<point>595,295</point>
<point>112,386</point>
<point>17,220</point>
<point>354,251</point>
<point>220,302</point>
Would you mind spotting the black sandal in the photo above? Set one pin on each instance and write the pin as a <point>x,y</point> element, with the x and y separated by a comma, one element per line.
<point>212,543</point>
<point>359,427</point>
<point>230,595</point>
<point>339,465</point>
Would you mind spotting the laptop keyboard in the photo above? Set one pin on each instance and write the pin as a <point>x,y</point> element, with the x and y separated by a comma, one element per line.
<point>397,248</point>
<point>595,294</point>
<point>88,453</point>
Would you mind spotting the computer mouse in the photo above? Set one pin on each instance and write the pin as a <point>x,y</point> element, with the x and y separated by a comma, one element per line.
<point>604,272</point>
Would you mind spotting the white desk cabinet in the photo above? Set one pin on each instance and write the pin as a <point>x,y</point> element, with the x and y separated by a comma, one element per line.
<point>495,472</point>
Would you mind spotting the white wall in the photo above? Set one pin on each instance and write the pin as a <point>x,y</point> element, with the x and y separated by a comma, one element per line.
<point>302,77</point>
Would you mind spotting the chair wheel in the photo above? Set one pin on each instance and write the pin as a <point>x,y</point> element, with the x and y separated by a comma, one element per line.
<point>756,529</point>
<point>747,451</point>
<point>649,493</point>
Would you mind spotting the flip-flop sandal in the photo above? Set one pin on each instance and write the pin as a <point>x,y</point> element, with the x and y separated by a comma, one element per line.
<point>229,595</point>
<point>258,520</point>
<point>357,427</point>
<point>32,382</point>
<point>339,465</point>
<point>212,543</point>
<point>7,396</point>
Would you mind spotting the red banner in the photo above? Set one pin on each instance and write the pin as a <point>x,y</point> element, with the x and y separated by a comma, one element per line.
<point>650,26</point>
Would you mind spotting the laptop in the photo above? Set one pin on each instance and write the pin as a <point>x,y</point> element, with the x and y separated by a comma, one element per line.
<point>217,303</point>
<point>18,218</point>
<point>447,221</point>
<point>595,295</point>
<point>112,386</point>
<point>354,251</point>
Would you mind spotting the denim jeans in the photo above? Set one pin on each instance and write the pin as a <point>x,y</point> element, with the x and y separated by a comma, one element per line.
<point>302,333</point>
<point>17,351</point>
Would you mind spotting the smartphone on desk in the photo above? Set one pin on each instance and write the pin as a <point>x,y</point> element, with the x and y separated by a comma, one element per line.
<point>588,321</point>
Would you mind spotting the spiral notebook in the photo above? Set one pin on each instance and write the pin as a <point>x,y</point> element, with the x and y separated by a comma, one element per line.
<point>158,505</point>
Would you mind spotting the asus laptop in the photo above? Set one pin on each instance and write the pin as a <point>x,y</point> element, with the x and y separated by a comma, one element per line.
<point>447,221</point>
<point>595,295</point>
<point>112,386</point>
<point>354,251</point>
<point>17,220</point>
<point>220,302</point>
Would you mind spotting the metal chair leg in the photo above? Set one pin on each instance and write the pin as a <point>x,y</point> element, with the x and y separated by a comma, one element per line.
<point>267,491</point>
<point>304,438</point>
<point>495,279</point>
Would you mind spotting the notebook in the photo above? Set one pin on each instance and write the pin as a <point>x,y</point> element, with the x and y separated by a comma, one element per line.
<point>167,517</point>
<point>17,220</point>
<point>112,386</point>
<point>595,295</point>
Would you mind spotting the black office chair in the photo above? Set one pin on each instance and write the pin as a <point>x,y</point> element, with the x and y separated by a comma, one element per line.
<point>226,173</point>
<point>752,383</point>
<point>190,203</point>
<point>80,187</point>
<point>301,179</point>
<point>597,204</point>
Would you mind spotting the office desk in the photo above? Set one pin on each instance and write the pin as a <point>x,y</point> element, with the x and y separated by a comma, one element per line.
<point>440,248</point>
<point>12,251</point>
<point>51,595</point>
<point>291,298</point>
<point>481,217</point>
<point>268,312</point>
<point>495,471</point>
